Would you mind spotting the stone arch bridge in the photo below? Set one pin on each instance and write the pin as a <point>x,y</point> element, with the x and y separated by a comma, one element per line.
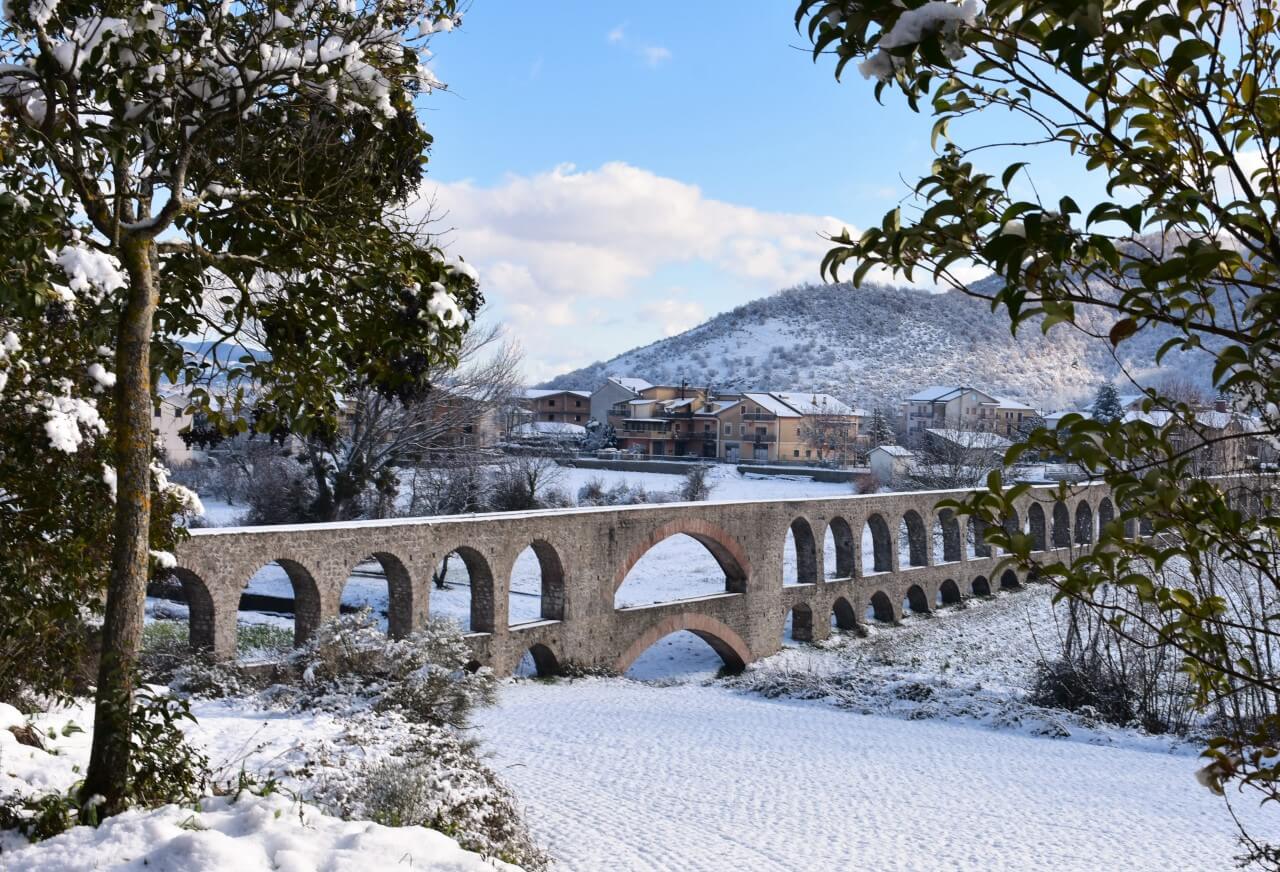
<point>921,558</point>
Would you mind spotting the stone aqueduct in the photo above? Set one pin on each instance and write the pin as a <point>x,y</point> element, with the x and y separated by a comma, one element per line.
<point>585,555</point>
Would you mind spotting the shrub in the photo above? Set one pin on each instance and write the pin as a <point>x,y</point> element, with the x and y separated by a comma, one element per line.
<point>697,484</point>
<point>435,780</point>
<point>1078,685</point>
<point>424,675</point>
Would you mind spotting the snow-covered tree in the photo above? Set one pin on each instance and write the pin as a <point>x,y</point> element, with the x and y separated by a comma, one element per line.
<point>880,430</point>
<point>196,168</point>
<point>1106,405</point>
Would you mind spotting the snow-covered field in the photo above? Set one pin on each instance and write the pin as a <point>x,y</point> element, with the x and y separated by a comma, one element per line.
<point>623,775</point>
<point>911,749</point>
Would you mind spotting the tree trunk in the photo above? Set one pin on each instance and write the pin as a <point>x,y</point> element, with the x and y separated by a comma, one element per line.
<point>108,774</point>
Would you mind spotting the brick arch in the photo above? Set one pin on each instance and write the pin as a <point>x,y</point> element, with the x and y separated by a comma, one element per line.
<point>723,547</point>
<point>479,572</point>
<point>200,609</point>
<point>401,594</point>
<point>551,579</point>
<point>806,550</point>
<point>307,599</point>
<point>723,640</point>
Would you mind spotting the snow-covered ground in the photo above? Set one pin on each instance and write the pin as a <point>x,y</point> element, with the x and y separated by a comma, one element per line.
<point>251,833</point>
<point>624,775</point>
<point>911,748</point>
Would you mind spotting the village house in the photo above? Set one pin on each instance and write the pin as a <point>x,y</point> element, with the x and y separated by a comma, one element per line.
<point>778,426</point>
<point>558,406</point>
<point>616,389</point>
<point>958,407</point>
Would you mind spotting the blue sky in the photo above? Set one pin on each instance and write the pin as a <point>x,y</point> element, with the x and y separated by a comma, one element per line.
<point>620,172</point>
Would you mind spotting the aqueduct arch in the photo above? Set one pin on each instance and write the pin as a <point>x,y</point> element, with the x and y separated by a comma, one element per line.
<point>584,555</point>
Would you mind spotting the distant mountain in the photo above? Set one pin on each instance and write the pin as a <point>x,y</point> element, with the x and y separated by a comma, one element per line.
<point>875,345</point>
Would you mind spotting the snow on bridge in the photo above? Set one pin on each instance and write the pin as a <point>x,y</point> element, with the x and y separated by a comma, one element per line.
<point>917,558</point>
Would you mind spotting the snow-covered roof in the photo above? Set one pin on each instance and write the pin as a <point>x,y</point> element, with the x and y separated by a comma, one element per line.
<point>631,384</point>
<point>933,393</point>
<point>770,403</point>
<point>1208,418</point>
<point>970,438</point>
<point>894,450</point>
<point>539,393</point>
<point>640,401</point>
<point>814,404</point>
<point>650,420</point>
<point>1016,405</point>
<point>678,404</point>
<point>548,428</point>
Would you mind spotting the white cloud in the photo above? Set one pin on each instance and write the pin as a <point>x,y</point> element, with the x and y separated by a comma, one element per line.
<point>652,55</point>
<point>582,264</point>
<point>655,54</point>
<point>675,316</point>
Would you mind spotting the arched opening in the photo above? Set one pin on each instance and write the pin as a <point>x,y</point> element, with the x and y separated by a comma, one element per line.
<point>842,615</point>
<point>946,537</point>
<point>912,542</point>
<point>1106,513</point>
<point>799,625</point>
<point>380,583</point>
<point>978,545</point>
<point>1061,525</point>
<point>916,601</point>
<point>177,594</point>
<point>800,554</point>
<point>1011,525</point>
<point>981,587</point>
<point>838,549</point>
<point>1009,580</point>
<point>537,585</point>
<point>539,662</point>
<point>948,593</point>
<point>1146,528</point>
<point>877,546</point>
<point>1084,523</point>
<point>678,567</point>
<point>684,646</point>
<point>880,608</point>
<point>462,590</point>
<point>279,599</point>
<point>1035,515</point>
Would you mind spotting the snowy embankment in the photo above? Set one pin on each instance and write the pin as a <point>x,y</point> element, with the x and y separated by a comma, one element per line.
<point>272,832</point>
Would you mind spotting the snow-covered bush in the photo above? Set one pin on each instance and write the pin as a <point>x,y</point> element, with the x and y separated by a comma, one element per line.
<point>436,780</point>
<point>424,676</point>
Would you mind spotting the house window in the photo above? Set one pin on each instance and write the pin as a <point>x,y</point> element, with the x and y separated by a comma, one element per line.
<point>577,404</point>
<point>796,452</point>
<point>808,453</point>
<point>467,428</point>
<point>577,417</point>
<point>551,402</point>
<point>728,429</point>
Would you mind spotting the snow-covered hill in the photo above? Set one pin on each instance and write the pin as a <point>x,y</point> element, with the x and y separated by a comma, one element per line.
<point>874,345</point>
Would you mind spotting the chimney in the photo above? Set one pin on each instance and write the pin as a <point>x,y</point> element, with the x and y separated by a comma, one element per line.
<point>1220,404</point>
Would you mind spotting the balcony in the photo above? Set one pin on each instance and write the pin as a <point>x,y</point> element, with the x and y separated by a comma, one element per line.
<point>765,439</point>
<point>759,416</point>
